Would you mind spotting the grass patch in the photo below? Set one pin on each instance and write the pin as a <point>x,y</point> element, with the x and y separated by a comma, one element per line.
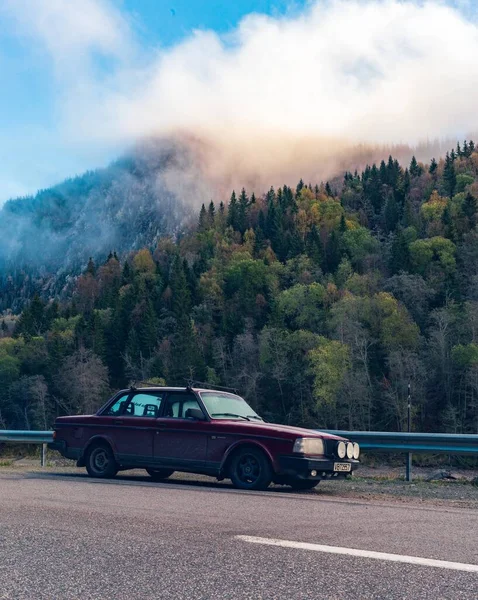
<point>6,463</point>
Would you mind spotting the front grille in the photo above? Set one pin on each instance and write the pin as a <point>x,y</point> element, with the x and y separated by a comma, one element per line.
<point>331,448</point>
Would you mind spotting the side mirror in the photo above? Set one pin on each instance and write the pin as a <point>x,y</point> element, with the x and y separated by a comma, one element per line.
<point>195,413</point>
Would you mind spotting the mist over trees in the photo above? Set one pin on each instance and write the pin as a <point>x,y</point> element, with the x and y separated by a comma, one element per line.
<point>320,303</point>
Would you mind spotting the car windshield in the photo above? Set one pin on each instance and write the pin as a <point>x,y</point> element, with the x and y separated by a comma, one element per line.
<point>221,405</point>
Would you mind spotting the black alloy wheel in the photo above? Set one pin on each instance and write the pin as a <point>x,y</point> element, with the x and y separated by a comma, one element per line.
<point>250,470</point>
<point>100,461</point>
<point>159,474</point>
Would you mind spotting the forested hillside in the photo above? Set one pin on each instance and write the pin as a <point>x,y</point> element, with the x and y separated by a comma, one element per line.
<point>125,206</point>
<point>318,303</point>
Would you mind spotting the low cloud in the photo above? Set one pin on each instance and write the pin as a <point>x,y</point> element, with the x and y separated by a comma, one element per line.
<point>275,99</point>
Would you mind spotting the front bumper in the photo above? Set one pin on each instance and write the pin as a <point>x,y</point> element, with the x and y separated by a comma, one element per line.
<point>300,467</point>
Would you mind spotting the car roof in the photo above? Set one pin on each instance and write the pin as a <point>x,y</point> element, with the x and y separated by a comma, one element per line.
<point>162,388</point>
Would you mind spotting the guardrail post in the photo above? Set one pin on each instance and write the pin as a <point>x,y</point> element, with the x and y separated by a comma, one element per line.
<point>409,466</point>
<point>43,455</point>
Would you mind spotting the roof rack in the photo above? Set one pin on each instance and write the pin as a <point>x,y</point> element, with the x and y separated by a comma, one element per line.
<point>220,388</point>
<point>150,383</point>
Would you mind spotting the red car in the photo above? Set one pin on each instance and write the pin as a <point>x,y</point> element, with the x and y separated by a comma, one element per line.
<point>165,429</point>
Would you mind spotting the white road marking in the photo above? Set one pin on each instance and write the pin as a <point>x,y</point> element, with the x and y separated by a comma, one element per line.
<point>413,560</point>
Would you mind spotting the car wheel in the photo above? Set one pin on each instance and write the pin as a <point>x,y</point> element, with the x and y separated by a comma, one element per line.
<point>250,470</point>
<point>100,461</point>
<point>159,474</point>
<point>303,484</point>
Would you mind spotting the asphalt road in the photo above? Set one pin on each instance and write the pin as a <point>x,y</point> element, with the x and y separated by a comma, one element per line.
<point>73,537</point>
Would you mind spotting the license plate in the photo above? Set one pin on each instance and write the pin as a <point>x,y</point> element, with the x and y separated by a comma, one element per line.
<point>342,467</point>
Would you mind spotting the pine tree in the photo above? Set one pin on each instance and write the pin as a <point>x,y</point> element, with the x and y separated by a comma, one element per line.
<point>328,190</point>
<point>465,149</point>
<point>471,147</point>
<point>447,223</point>
<point>383,172</point>
<point>449,175</point>
<point>243,210</point>
<point>203,218</point>
<point>233,212</point>
<point>91,268</point>
<point>469,208</point>
<point>391,213</point>
<point>433,167</point>
<point>415,169</point>
<point>299,187</point>
<point>343,224</point>
<point>211,214</point>
<point>458,149</point>
<point>333,255</point>
<point>4,328</point>
<point>399,254</point>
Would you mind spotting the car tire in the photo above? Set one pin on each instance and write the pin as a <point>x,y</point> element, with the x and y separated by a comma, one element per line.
<point>303,485</point>
<point>100,461</point>
<point>250,469</point>
<point>159,474</point>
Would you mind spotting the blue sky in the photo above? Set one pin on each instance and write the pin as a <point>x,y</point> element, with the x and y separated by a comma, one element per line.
<point>81,80</point>
<point>32,152</point>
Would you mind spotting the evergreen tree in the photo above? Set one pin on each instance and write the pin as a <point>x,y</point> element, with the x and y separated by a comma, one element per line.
<point>328,190</point>
<point>465,149</point>
<point>91,268</point>
<point>391,213</point>
<point>243,210</point>
<point>333,255</point>
<point>433,167</point>
<point>399,254</point>
<point>449,175</point>
<point>211,214</point>
<point>447,222</point>
<point>415,169</point>
<point>299,187</point>
<point>469,208</point>
<point>203,222</point>
<point>233,212</point>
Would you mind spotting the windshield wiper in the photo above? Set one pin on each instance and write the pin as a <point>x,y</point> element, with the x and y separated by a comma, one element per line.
<point>229,415</point>
<point>255,417</point>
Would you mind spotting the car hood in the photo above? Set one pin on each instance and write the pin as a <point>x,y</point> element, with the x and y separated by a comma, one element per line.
<point>275,428</point>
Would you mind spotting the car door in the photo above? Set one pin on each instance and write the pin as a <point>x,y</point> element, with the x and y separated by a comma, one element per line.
<point>132,425</point>
<point>180,442</point>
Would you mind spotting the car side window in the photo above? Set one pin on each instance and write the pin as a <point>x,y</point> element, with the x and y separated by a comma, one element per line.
<point>145,405</point>
<point>178,403</point>
<point>117,407</point>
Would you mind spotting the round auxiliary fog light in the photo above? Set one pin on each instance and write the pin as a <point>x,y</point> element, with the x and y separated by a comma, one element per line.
<point>350,450</point>
<point>313,473</point>
<point>341,449</point>
<point>356,451</point>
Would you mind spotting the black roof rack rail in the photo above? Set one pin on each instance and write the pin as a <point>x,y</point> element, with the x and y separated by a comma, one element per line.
<point>150,383</point>
<point>220,388</point>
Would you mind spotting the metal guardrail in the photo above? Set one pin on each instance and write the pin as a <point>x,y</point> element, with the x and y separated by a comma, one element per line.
<point>435,443</point>
<point>28,437</point>
<point>371,441</point>
<point>440,443</point>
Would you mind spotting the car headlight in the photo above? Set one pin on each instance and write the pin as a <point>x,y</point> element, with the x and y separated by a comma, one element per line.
<point>309,446</point>
<point>341,449</point>
<point>356,450</point>
<point>350,450</point>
